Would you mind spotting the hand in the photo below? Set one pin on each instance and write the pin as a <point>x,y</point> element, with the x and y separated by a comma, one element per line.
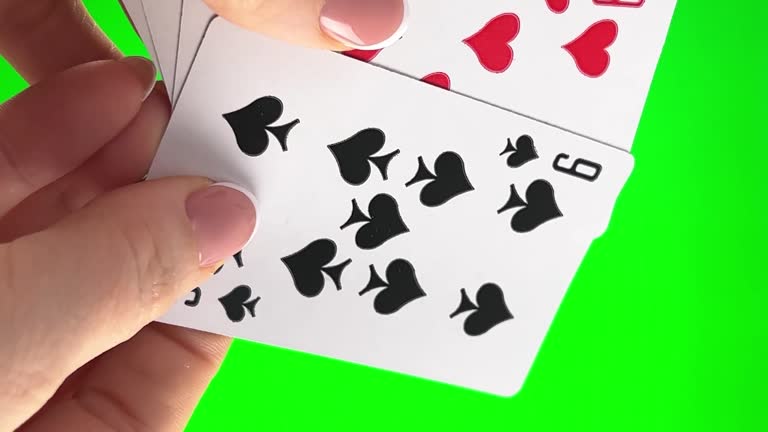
<point>331,24</point>
<point>89,254</point>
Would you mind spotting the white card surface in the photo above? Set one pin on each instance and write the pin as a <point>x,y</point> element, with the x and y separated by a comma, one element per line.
<point>195,18</point>
<point>529,51</point>
<point>164,19</point>
<point>135,10</point>
<point>512,274</point>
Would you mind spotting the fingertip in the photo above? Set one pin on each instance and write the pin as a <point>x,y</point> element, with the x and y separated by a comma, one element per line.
<point>254,202</point>
<point>337,25</point>
<point>223,220</point>
<point>365,24</point>
<point>144,71</point>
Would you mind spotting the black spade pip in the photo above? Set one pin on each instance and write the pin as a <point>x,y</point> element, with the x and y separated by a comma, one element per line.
<point>251,124</point>
<point>447,182</point>
<point>400,288</point>
<point>520,153</point>
<point>489,311</point>
<point>539,207</point>
<point>238,302</point>
<point>356,154</point>
<point>383,224</point>
<point>309,266</point>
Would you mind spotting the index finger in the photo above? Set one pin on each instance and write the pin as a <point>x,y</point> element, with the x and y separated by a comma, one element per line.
<point>43,37</point>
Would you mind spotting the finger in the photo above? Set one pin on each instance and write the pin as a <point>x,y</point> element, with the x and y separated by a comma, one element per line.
<point>43,37</point>
<point>152,382</point>
<point>53,127</point>
<point>95,279</point>
<point>125,160</point>
<point>331,24</point>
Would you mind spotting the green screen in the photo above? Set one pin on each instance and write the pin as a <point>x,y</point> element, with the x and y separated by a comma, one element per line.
<point>664,326</point>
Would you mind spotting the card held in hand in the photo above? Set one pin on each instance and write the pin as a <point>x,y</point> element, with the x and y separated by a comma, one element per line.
<point>400,226</point>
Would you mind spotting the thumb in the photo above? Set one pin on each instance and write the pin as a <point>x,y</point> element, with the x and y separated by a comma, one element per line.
<point>330,24</point>
<point>92,281</point>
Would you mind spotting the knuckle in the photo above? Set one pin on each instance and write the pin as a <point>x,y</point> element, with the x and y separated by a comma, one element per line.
<point>27,17</point>
<point>149,267</point>
<point>110,409</point>
<point>206,357</point>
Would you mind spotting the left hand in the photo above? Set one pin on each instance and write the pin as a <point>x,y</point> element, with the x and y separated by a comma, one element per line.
<point>76,350</point>
<point>78,134</point>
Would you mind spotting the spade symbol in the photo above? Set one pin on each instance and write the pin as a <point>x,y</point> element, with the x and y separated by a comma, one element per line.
<point>251,124</point>
<point>384,223</point>
<point>449,180</point>
<point>356,154</point>
<point>309,266</point>
<point>520,153</point>
<point>539,207</point>
<point>237,302</point>
<point>490,310</point>
<point>400,288</point>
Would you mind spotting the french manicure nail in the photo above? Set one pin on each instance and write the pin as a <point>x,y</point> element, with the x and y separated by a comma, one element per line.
<point>145,71</point>
<point>364,24</point>
<point>223,218</point>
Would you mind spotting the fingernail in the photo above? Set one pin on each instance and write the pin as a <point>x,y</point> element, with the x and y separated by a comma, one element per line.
<point>364,24</point>
<point>145,71</point>
<point>223,218</point>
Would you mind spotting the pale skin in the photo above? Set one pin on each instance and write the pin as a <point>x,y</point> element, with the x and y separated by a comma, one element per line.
<point>90,255</point>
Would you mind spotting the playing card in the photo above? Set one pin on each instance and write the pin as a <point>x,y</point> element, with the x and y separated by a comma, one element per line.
<point>164,19</point>
<point>400,226</point>
<point>585,66</point>
<point>195,17</point>
<point>136,13</point>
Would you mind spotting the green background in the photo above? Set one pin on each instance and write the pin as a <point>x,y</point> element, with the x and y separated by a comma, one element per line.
<point>664,326</point>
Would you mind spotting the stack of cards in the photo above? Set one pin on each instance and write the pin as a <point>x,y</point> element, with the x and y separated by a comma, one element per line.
<point>422,210</point>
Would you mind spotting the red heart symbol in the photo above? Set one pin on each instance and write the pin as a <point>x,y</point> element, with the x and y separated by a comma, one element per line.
<point>363,55</point>
<point>438,79</point>
<point>491,43</point>
<point>558,6</point>
<point>590,50</point>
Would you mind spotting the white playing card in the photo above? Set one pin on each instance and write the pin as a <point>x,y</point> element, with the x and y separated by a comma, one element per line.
<point>136,12</point>
<point>464,268</point>
<point>195,17</point>
<point>164,19</point>
<point>529,51</point>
